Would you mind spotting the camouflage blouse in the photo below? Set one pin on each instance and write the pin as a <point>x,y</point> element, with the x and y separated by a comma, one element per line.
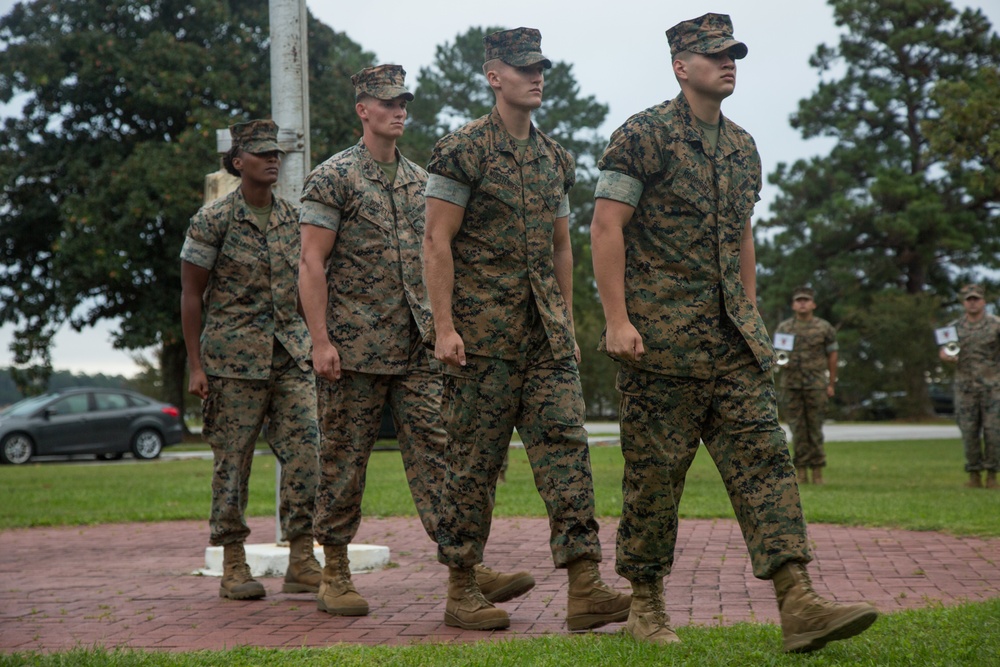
<point>682,245</point>
<point>252,294</point>
<point>503,252</point>
<point>808,366</point>
<point>979,357</point>
<point>374,275</point>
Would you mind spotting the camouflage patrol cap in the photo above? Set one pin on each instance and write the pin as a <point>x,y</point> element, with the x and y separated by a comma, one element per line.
<point>708,34</point>
<point>383,82</point>
<point>256,136</point>
<point>972,290</point>
<point>518,47</point>
<point>803,293</point>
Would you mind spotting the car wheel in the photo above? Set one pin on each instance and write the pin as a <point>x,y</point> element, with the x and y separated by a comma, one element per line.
<point>147,444</point>
<point>17,448</point>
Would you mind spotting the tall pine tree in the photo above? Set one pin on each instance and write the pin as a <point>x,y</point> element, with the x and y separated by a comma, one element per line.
<point>885,227</point>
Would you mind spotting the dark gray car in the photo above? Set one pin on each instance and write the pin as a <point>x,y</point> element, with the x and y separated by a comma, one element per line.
<point>105,422</point>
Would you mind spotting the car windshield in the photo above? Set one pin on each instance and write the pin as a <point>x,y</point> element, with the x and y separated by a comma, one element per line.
<point>26,406</point>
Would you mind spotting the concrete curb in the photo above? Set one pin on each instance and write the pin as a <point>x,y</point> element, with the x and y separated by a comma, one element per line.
<point>271,560</point>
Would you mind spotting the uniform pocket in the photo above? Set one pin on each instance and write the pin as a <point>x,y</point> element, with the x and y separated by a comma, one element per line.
<point>243,249</point>
<point>376,213</point>
<point>460,404</point>
<point>690,187</point>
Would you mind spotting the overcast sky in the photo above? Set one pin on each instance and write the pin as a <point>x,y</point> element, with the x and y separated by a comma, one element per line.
<point>619,54</point>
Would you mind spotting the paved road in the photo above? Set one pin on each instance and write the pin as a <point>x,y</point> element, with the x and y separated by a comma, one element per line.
<point>834,432</point>
<point>606,433</point>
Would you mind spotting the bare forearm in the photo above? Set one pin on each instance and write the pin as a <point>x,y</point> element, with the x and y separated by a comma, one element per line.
<point>444,220</point>
<point>194,280</point>
<point>439,276</point>
<point>313,295</point>
<point>316,247</point>
<point>748,264</point>
<point>191,307</point>
<point>608,248</point>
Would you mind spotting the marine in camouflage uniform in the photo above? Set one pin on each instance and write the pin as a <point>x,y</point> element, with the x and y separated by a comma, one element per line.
<point>807,381</point>
<point>251,361</point>
<point>364,300</point>
<point>674,262</point>
<point>499,272</point>
<point>977,387</point>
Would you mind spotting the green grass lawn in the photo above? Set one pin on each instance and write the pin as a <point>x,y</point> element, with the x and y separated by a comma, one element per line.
<point>955,636</point>
<point>911,485</point>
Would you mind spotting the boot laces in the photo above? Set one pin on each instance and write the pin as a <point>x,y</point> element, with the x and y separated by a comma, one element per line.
<point>655,607</point>
<point>472,590</point>
<point>343,575</point>
<point>241,573</point>
<point>812,596</point>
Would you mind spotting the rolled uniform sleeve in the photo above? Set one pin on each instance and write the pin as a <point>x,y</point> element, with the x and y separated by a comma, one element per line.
<point>563,210</point>
<point>456,158</point>
<point>206,234</point>
<point>449,190</point>
<point>320,215</point>
<point>633,152</point>
<point>326,195</point>
<point>831,339</point>
<point>199,254</point>
<point>619,187</point>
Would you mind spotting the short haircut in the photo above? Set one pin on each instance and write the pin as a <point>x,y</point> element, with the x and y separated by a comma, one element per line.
<point>491,64</point>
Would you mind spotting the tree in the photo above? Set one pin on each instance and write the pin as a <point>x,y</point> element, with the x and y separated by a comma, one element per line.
<point>884,213</point>
<point>452,92</point>
<point>965,137</point>
<point>106,164</point>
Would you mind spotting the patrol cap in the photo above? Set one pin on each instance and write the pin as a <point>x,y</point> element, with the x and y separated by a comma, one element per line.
<point>519,47</point>
<point>803,293</point>
<point>972,290</point>
<point>256,136</point>
<point>383,82</point>
<point>708,34</point>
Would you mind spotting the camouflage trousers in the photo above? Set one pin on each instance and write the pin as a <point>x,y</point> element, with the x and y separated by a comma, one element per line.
<point>977,411</point>
<point>663,419</point>
<point>350,414</point>
<point>805,409</point>
<point>482,403</point>
<point>234,414</point>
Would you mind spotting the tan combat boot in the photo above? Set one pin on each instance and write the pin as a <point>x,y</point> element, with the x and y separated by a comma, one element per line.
<point>817,475</point>
<point>499,586</point>
<point>647,619</point>
<point>975,481</point>
<point>809,622</point>
<point>802,474</point>
<point>592,603</point>
<point>467,608</point>
<point>304,573</point>
<point>991,479</point>
<point>237,582</point>
<point>337,594</point>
